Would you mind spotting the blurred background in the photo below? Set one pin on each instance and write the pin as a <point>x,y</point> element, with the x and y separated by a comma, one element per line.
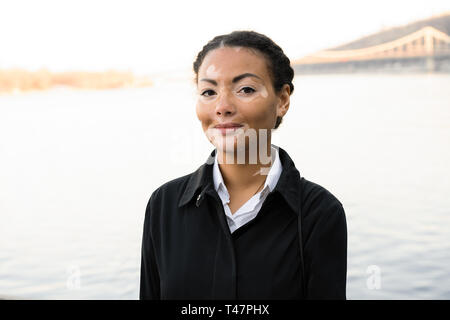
<point>97,110</point>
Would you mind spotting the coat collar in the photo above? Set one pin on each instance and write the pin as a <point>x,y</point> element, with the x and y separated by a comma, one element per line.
<point>288,186</point>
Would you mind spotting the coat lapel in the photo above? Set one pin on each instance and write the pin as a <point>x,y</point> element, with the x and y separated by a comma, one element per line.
<point>289,183</point>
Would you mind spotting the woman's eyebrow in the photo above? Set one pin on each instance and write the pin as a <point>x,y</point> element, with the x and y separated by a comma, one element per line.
<point>235,79</point>
<point>244,75</point>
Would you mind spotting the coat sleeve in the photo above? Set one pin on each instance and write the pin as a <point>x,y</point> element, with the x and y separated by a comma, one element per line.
<point>326,253</point>
<point>149,281</point>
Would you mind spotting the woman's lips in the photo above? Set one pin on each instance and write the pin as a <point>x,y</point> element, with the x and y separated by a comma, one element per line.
<point>228,130</point>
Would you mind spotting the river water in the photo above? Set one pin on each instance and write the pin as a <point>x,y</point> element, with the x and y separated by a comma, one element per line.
<point>77,169</point>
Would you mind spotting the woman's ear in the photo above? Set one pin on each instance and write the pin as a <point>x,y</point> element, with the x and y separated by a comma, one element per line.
<point>284,100</point>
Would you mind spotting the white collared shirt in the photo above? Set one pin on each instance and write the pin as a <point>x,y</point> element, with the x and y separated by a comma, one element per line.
<point>250,209</point>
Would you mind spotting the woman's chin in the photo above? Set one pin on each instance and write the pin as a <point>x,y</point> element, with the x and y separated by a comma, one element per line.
<point>231,151</point>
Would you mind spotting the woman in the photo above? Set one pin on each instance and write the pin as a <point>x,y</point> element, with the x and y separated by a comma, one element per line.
<point>244,225</point>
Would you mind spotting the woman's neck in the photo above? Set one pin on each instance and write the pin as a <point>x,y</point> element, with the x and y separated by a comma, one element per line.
<point>247,175</point>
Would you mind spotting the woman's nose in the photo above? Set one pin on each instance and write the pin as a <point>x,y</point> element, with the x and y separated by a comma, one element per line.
<point>224,106</point>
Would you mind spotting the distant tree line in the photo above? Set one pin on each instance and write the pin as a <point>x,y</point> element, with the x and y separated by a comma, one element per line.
<point>14,80</point>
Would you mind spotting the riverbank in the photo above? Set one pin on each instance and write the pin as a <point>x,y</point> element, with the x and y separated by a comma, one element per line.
<point>19,80</point>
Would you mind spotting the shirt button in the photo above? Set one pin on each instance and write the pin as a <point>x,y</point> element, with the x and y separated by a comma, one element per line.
<point>197,203</point>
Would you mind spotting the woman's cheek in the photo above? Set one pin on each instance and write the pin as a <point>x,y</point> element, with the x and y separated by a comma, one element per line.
<point>248,99</point>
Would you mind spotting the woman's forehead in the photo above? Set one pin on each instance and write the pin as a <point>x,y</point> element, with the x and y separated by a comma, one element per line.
<point>227,61</point>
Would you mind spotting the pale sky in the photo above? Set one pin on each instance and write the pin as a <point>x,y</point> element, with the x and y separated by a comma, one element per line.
<point>157,36</point>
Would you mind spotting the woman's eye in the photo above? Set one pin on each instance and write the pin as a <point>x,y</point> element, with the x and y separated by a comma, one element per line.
<point>207,93</point>
<point>247,90</point>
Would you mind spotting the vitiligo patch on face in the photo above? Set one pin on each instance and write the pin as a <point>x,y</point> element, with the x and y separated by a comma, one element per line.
<point>264,92</point>
<point>212,72</point>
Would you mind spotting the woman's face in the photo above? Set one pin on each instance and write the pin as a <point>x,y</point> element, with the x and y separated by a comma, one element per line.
<point>235,88</point>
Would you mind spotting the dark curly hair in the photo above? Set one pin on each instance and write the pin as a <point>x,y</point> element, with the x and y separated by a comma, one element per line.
<point>278,64</point>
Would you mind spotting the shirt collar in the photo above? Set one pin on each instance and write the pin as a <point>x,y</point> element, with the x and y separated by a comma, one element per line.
<point>289,183</point>
<point>272,176</point>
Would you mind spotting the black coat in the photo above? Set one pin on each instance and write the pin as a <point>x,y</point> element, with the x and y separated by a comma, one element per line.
<point>296,247</point>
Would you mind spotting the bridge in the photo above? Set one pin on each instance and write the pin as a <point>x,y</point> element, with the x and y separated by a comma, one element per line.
<point>426,49</point>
